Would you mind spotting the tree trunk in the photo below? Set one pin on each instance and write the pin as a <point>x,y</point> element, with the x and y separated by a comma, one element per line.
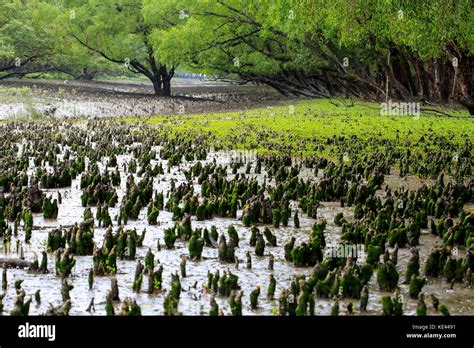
<point>86,74</point>
<point>166,87</point>
<point>166,79</point>
<point>423,80</point>
<point>157,84</point>
<point>468,104</point>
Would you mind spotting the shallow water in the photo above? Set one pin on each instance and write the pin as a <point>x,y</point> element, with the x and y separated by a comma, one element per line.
<point>195,300</point>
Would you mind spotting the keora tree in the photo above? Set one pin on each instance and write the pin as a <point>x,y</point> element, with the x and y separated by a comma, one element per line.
<point>402,50</point>
<point>116,31</point>
<point>27,38</point>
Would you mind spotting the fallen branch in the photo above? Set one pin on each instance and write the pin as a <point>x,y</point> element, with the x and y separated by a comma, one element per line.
<point>438,112</point>
<point>11,262</point>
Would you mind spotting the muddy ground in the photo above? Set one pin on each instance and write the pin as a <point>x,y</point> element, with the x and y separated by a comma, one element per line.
<point>60,99</point>
<point>57,99</point>
<point>195,298</point>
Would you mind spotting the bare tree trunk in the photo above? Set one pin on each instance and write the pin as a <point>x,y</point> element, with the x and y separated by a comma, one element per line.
<point>157,84</point>
<point>166,79</point>
<point>437,80</point>
<point>166,87</point>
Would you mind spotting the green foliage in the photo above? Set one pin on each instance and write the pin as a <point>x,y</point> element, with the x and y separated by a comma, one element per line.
<point>170,237</point>
<point>153,216</point>
<point>268,40</point>
<point>387,276</point>
<point>416,285</point>
<point>195,247</point>
<point>313,119</point>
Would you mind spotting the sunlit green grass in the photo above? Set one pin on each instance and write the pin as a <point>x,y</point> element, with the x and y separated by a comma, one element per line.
<point>304,122</point>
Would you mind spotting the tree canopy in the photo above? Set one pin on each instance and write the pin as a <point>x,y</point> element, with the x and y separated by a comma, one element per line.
<point>375,49</point>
